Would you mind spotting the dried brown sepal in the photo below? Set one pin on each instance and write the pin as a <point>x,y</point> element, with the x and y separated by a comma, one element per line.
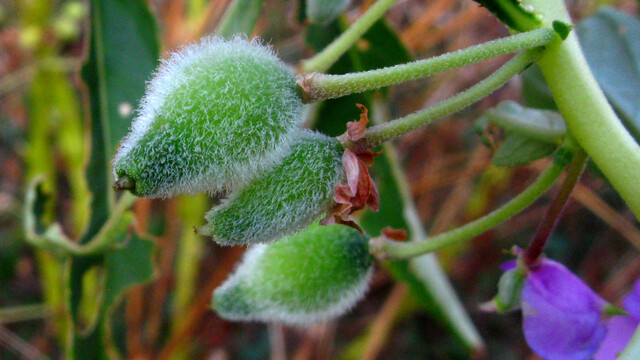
<point>357,129</point>
<point>358,192</point>
<point>394,234</point>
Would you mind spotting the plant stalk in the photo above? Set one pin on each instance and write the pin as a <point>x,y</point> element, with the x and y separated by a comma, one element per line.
<point>589,117</point>
<point>316,87</point>
<point>533,252</point>
<point>387,249</point>
<point>388,131</point>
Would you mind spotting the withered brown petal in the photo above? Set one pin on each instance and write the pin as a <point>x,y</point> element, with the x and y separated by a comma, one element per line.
<point>357,129</point>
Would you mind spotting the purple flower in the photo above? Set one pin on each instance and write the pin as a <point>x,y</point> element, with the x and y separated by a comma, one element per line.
<point>620,329</point>
<point>562,316</point>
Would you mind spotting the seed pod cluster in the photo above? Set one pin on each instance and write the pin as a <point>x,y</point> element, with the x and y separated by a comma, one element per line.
<point>287,198</point>
<point>313,275</point>
<point>214,115</point>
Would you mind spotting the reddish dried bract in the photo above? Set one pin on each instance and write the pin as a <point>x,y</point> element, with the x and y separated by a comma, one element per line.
<point>358,192</point>
<point>357,129</point>
<point>394,234</point>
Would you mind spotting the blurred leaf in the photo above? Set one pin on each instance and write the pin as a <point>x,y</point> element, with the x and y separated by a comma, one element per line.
<point>325,11</point>
<point>240,18</point>
<point>543,125</point>
<point>424,275</point>
<point>381,47</point>
<point>123,52</point>
<point>127,266</point>
<point>520,150</point>
<point>609,40</point>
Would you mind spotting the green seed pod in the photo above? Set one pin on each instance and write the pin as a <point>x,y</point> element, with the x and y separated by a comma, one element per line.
<point>215,114</point>
<point>283,200</point>
<point>324,11</point>
<point>314,275</point>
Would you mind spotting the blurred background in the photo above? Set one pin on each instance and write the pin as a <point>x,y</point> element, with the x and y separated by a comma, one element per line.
<point>46,128</point>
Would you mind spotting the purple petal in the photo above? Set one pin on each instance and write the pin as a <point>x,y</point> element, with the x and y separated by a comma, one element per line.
<point>631,302</point>
<point>562,315</point>
<point>508,265</point>
<point>619,332</point>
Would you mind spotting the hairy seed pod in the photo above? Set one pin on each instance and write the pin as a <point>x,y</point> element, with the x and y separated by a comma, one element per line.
<point>216,113</point>
<point>314,275</point>
<point>287,198</point>
<point>325,11</point>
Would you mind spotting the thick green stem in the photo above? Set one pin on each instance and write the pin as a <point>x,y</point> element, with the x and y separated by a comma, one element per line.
<point>317,87</point>
<point>589,117</point>
<point>387,249</point>
<point>387,131</point>
<point>323,60</point>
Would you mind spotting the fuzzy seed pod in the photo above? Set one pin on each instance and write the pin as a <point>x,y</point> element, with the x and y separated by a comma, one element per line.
<point>285,199</point>
<point>314,275</point>
<point>216,113</point>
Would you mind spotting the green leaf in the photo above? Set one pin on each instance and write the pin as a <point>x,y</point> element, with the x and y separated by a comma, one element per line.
<point>423,275</point>
<point>610,40</point>
<point>325,11</point>
<point>123,52</point>
<point>520,150</point>
<point>543,125</point>
<point>381,47</point>
<point>513,13</point>
<point>127,266</point>
<point>240,18</point>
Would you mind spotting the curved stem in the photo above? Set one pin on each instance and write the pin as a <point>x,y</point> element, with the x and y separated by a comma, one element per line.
<point>323,60</point>
<point>551,217</point>
<point>387,249</point>
<point>589,117</point>
<point>387,131</point>
<point>317,87</point>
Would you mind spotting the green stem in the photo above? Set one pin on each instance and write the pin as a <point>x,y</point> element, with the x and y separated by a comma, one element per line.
<point>323,60</point>
<point>387,249</point>
<point>589,117</point>
<point>387,131</point>
<point>317,87</point>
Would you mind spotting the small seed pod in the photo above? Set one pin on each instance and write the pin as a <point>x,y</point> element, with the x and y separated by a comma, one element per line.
<point>283,200</point>
<point>314,275</point>
<point>216,113</point>
<point>325,11</point>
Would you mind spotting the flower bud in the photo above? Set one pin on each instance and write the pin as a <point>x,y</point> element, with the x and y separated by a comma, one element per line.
<point>314,275</point>
<point>216,113</point>
<point>284,199</point>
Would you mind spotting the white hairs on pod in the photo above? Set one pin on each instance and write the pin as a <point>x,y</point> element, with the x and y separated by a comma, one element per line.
<point>215,114</point>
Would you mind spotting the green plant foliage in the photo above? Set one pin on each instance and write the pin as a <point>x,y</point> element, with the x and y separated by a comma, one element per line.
<point>314,275</point>
<point>544,125</point>
<point>215,114</point>
<point>521,150</point>
<point>123,52</point>
<point>610,40</point>
<point>325,11</point>
<point>384,48</point>
<point>531,133</point>
<point>240,18</point>
<point>285,199</point>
